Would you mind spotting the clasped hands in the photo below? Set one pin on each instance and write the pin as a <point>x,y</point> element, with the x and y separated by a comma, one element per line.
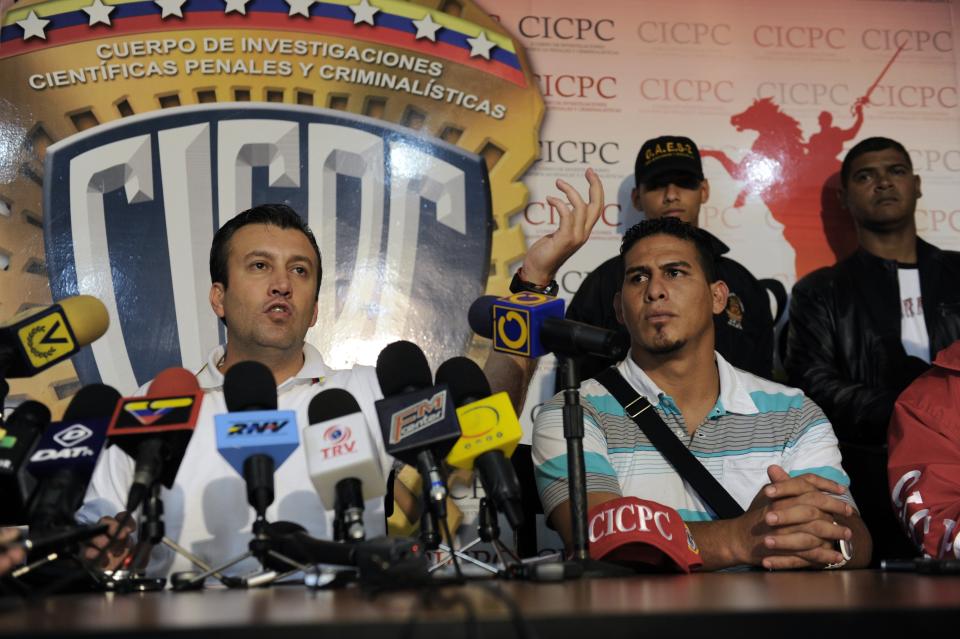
<point>792,523</point>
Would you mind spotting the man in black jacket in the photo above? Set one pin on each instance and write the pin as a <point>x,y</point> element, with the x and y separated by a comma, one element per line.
<point>670,183</point>
<point>863,329</point>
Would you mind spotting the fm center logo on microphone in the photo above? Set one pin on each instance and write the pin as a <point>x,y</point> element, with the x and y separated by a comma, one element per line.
<point>418,416</point>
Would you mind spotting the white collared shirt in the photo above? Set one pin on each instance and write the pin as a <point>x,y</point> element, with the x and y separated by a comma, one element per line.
<point>206,510</point>
<point>753,424</point>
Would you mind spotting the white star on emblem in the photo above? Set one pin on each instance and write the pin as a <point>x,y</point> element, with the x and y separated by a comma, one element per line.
<point>301,7</point>
<point>170,8</point>
<point>363,12</point>
<point>427,28</point>
<point>99,13</point>
<point>33,26</point>
<point>240,6</point>
<point>480,46</point>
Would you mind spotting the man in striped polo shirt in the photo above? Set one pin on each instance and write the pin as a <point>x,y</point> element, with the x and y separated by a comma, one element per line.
<point>768,445</point>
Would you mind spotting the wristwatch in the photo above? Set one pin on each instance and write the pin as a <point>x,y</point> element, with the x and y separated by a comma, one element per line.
<point>520,285</point>
<point>845,548</point>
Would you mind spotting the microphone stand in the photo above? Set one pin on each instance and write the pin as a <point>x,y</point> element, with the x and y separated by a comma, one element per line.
<point>258,473</point>
<point>488,530</point>
<point>153,532</point>
<point>580,565</point>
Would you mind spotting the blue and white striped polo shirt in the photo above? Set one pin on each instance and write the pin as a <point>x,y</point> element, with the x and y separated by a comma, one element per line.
<point>755,423</point>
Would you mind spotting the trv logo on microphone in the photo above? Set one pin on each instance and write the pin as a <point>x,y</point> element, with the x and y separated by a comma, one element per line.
<point>412,419</point>
<point>337,441</point>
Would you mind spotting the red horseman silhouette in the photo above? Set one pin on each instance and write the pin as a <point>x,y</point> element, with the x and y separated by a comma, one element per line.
<point>797,181</point>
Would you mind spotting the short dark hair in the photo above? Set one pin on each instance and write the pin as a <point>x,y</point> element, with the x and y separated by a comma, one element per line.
<point>677,228</point>
<point>870,145</point>
<point>279,215</point>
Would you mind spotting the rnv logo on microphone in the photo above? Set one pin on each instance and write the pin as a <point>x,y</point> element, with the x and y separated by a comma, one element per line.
<point>414,418</point>
<point>50,454</point>
<point>256,428</point>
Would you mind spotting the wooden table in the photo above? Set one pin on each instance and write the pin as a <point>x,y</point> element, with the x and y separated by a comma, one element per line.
<point>768,605</point>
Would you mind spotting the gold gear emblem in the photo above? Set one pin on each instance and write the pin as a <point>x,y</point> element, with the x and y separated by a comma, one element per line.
<point>69,65</point>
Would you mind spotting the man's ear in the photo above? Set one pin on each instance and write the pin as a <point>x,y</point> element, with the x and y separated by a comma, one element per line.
<point>216,299</point>
<point>618,307</point>
<point>635,198</point>
<point>704,190</point>
<point>719,291</point>
<point>316,312</point>
<point>842,198</point>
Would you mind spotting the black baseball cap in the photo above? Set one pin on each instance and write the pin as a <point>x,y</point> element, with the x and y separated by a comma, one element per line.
<point>667,154</point>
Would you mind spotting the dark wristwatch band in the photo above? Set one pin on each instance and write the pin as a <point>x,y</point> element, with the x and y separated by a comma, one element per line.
<point>519,285</point>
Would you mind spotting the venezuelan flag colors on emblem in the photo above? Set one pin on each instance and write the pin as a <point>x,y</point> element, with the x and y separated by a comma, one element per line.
<point>163,118</point>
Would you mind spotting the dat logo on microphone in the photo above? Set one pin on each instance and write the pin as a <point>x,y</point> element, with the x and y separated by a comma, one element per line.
<point>339,441</point>
<point>73,435</point>
<point>68,438</point>
<point>131,208</point>
<point>414,418</point>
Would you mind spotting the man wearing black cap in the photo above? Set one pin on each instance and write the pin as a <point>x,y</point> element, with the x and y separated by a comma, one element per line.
<point>670,183</point>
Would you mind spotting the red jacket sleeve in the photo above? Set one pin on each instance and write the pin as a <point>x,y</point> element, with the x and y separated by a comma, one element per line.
<point>924,464</point>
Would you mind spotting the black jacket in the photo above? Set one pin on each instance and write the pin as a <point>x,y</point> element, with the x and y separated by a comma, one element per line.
<point>745,338</point>
<point>844,347</point>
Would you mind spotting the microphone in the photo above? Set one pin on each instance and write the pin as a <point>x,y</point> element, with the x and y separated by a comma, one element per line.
<point>156,429</point>
<point>342,461</point>
<point>418,419</point>
<point>18,438</point>
<point>55,540</point>
<point>531,325</point>
<point>66,456</point>
<point>254,437</point>
<point>491,432</point>
<point>36,339</point>
<point>386,561</point>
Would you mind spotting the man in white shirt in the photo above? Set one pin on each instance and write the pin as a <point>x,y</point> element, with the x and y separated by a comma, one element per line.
<point>266,272</point>
<point>766,444</point>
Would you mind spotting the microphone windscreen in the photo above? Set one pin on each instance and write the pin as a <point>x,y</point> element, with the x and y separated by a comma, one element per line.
<point>31,415</point>
<point>402,367</point>
<point>331,404</point>
<point>174,381</point>
<point>87,317</point>
<point>466,380</point>
<point>93,400</point>
<point>480,315</point>
<point>249,386</point>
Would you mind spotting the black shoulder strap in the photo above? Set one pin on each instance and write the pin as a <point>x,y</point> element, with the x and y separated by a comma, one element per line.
<point>682,460</point>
